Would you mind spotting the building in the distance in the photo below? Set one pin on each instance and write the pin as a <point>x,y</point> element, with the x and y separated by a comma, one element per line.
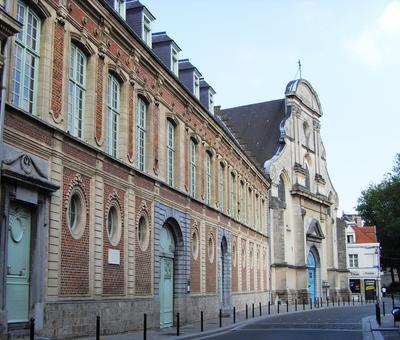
<point>363,261</point>
<point>284,137</point>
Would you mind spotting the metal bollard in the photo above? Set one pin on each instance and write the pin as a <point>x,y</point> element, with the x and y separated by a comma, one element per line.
<point>353,300</point>
<point>234,314</point>
<point>295,305</point>
<point>32,329</point>
<point>361,299</point>
<point>220,318</point>
<point>177,324</point>
<point>392,301</point>
<point>378,313</point>
<point>259,304</point>
<point>383,308</point>
<point>310,303</point>
<point>287,306</point>
<point>279,303</point>
<point>333,301</point>
<point>144,326</point>
<point>247,312</point>
<point>348,299</point>
<point>97,327</point>
<point>327,301</point>
<point>202,321</point>
<point>269,307</point>
<point>304,305</point>
<point>252,313</point>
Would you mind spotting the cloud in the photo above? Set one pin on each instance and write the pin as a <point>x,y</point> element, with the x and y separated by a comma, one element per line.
<point>379,44</point>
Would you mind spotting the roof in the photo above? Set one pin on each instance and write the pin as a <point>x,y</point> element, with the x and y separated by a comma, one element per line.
<point>365,234</point>
<point>163,37</point>
<point>257,127</point>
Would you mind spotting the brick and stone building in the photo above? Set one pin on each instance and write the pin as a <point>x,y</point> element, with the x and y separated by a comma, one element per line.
<point>122,193</point>
<point>284,137</point>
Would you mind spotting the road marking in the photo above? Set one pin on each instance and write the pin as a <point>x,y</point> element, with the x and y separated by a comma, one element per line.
<point>297,329</point>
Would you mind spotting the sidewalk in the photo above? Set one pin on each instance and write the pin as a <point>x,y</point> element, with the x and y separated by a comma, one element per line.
<point>211,326</point>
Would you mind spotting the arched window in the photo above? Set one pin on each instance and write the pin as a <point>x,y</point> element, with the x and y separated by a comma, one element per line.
<point>307,176</point>
<point>208,177</point>
<point>250,207</point>
<point>141,118</point>
<point>281,189</point>
<point>233,195</point>
<point>113,108</point>
<point>193,166</point>
<point>241,201</point>
<point>221,186</point>
<point>76,91</point>
<point>170,152</point>
<point>26,59</point>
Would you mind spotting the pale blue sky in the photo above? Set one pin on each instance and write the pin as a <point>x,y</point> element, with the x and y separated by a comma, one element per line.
<point>350,52</point>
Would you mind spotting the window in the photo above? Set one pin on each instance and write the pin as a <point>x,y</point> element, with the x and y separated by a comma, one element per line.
<point>211,102</point>
<point>119,6</point>
<point>170,152</point>
<point>353,260</point>
<point>208,178</point>
<point>211,249</point>
<point>221,186</point>
<point>233,195</point>
<point>174,61</point>
<point>76,91</point>
<point>241,201</point>
<point>307,176</point>
<point>193,165</point>
<point>243,256</point>
<point>281,189</point>
<point>147,30</point>
<point>250,207</point>
<point>76,214</point>
<point>196,85</point>
<point>113,228</point>
<point>257,213</point>
<point>141,117</point>
<point>143,233</point>
<point>113,107</point>
<point>26,59</point>
<point>350,238</point>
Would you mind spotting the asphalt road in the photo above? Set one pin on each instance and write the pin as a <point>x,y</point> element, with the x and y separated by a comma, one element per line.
<point>336,324</point>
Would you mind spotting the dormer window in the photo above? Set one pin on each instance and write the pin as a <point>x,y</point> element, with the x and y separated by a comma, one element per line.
<point>147,30</point>
<point>211,102</point>
<point>196,85</point>
<point>174,61</point>
<point>119,6</point>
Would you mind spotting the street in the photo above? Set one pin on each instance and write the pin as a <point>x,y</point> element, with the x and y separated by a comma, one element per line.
<point>339,323</point>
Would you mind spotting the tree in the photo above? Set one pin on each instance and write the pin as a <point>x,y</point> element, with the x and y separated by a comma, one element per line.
<point>379,205</point>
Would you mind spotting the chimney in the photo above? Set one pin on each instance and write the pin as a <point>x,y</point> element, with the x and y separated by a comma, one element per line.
<point>207,96</point>
<point>190,77</point>
<point>139,18</point>
<point>167,50</point>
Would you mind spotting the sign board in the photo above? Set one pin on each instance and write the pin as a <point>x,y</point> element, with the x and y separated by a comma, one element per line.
<point>113,256</point>
<point>355,286</point>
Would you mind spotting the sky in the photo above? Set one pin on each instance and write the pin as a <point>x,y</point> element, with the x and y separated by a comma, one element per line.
<point>349,51</point>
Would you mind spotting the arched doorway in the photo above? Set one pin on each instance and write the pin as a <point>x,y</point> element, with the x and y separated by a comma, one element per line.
<point>312,284</point>
<point>224,276</point>
<point>167,254</point>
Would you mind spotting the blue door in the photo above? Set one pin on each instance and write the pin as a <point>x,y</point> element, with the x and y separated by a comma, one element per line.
<point>311,275</point>
<point>18,259</point>
<point>167,249</point>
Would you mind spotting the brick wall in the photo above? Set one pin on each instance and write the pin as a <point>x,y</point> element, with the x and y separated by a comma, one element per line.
<point>211,271</point>
<point>143,258</point>
<point>195,262</point>
<point>74,252</point>
<point>58,67</point>
<point>113,274</point>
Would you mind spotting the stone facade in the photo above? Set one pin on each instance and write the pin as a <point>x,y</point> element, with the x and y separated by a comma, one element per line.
<point>97,218</point>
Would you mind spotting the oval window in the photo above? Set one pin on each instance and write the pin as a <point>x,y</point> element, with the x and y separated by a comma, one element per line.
<point>76,214</point>
<point>113,225</point>
<point>143,233</point>
<point>195,245</point>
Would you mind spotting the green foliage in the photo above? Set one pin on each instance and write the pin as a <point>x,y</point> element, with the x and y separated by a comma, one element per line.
<point>379,205</point>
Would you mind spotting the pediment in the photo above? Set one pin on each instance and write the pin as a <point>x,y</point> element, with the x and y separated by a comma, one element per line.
<point>314,231</point>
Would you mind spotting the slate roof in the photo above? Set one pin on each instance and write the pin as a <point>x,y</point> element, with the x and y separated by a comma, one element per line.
<point>257,127</point>
<point>365,234</point>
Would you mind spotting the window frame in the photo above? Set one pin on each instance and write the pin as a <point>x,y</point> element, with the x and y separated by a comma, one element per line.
<point>113,114</point>
<point>21,43</point>
<point>233,198</point>
<point>147,30</point>
<point>141,133</point>
<point>193,167</point>
<point>174,61</point>
<point>74,85</point>
<point>120,8</point>
<point>196,85</point>
<point>221,188</point>
<point>208,192</point>
<point>170,150</point>
<point>353,260</point>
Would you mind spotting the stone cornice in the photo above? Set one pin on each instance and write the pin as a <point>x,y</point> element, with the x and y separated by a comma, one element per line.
<point>8,25</point>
